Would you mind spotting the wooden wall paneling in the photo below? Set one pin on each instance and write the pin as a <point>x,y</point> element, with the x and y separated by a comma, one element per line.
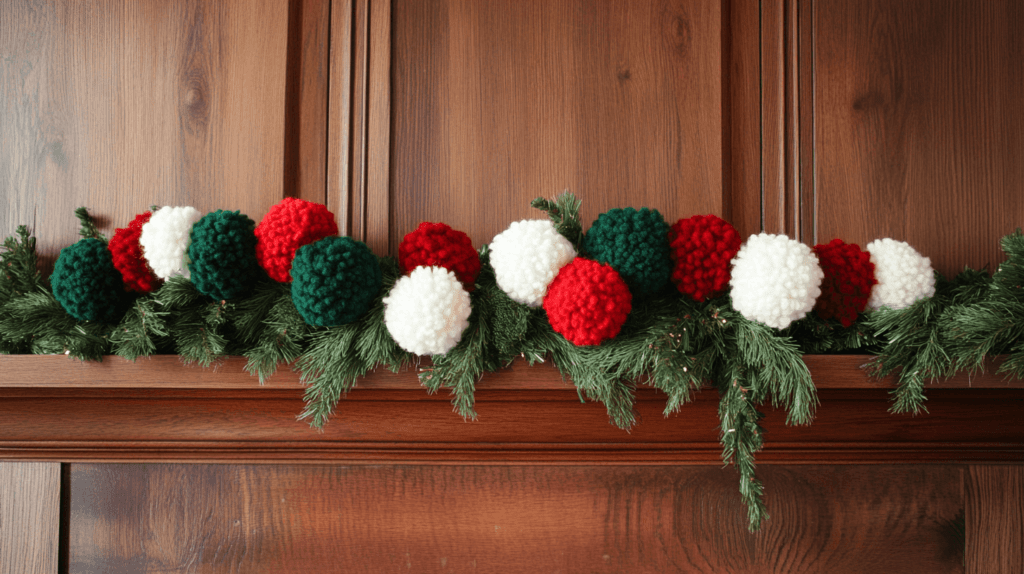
<point>378,137</point>
<point>341,133</point>
<point>118,105</point>
<point>306,101</point>
<point>920,125</point>
<point>995,519</point>
<point>741,83</point>
<point>495,103</point>
<point>29,517</point>
<point>158,518</point>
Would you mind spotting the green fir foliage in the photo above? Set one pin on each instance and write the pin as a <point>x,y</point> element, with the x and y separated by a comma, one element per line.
<point>196,324</point>
<point>88,229</point>
<point>564,212</point>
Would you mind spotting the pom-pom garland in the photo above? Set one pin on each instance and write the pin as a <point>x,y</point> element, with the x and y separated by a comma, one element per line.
<point>702,247</point>
<point>334,281</point>
<point>165,240</point>
<point>288,226</point>
<point>87,284</point>
<point>526,257</point>
<point>128,258</point>
<point>427,311</point>
<point>904,275</point>
<point>222,255</point>
<point>635,243</point>
<point>849,277</point>
<point>587,302</point>
<point>438,245</point>
<point>775,280</point>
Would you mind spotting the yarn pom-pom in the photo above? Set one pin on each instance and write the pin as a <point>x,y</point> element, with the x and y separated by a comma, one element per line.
<point>775,280</point>
<point>635,243</point>
<point>164,240</point>
<point>87,284</point>
<point>904,275</point>
<point>438,245</point>
<point>128,258</point>
<point>288,226</point>
<point>849,276</point>
<point>222,256</point>
<point>427,311</point>
<point>587,302</point>
<point>702,247</point>
<point>334,280</point>
<point>526,257</point>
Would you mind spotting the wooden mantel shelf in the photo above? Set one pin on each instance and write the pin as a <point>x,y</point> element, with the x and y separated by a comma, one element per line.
<point>157,409</point>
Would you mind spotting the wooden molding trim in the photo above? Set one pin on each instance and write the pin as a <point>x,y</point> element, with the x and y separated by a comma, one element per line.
<point>56,408</point>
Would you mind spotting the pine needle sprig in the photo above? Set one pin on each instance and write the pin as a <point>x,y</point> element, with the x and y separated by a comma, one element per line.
<point>742,437</point>
<point>564,212</point>
<point>37,323</point>
<point>88,229</point>
<point>914,347</point>
<point>330,367</point>
<point>142,330</point>
<point>817,336</point>
<point>195,322</point>
<point>281,338</point>
<point>18,260</point>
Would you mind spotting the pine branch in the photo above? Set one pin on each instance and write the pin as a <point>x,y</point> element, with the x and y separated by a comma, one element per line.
<point>88,229</point>
<point>195,322</point>
<point>330,368</point>
<point>18,272</point>
<point>742,437</point>
<point>141,330</point>
<point>36,321</point>
<point>281,340</point>
<point>564,212</point>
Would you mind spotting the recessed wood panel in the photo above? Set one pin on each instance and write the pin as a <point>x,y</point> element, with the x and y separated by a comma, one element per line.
<point>495,103</point>
<point>159,518</point>
<point>29,517</point>
<point>995,519</point>
<point>919,125</point>
<point>118,105</point>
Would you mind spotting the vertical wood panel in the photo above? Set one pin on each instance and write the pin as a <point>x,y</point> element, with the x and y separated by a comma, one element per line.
<point>29,517</point>
<point>118,105</point>
<point>920,124</point>
<point>378,137</point>
<point>156,518</point>
<point>340,116</point>
<point>495,103</point>
<point>742,82</point>
<point>306,97</point>
<point>995,519</point>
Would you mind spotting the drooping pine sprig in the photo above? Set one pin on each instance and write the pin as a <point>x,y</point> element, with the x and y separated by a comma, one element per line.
<point>337,357</point>
<point>269,328</point>
<point>564,212</point>
<point>742,437</point>
<point>88,229</point>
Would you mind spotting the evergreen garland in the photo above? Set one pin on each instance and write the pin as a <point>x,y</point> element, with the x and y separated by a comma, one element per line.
<point>670,342</point>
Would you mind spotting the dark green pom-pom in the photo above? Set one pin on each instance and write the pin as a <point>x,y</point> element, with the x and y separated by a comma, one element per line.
<point>334,280</point>
<point>635,243</point>
<point>222,255</point>
<point>87,284</point>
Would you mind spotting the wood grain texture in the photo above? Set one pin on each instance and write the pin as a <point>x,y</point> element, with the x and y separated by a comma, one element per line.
<point>341,117</point>
<point>306,100</point>
<point>995,519</point>
<point>741,149</point>
<point>920,125</point>
<point>29,517</point>
<point>158,518</point>
<point>168,372</point>
<point>496,103</point>
<point>118,105</point>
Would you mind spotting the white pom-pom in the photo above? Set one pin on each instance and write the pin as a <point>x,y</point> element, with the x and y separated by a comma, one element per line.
<point>165,239</point>
<point>526,258</point>
<point>904,275</point>
<point>427,311</point>
<point>775,280</point>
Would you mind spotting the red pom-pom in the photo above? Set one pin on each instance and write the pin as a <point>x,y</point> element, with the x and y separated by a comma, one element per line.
<point>849,276</point>
<point>587,302</point>
<point>128,259</point>
<point>702,247</point>
<point>438,245</point>
<point>289,225</point>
